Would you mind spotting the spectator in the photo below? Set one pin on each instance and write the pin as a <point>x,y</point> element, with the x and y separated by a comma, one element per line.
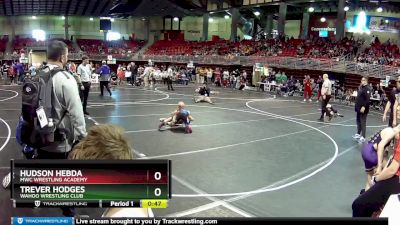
<point>384,184</point>
<point>278,77</point>
<point>225,78</point>
<point>32,70</point>
<point>4,70</point>
<point>107,142</point>
<point>307,88</point>
<point>391,103</point>
<point>362,109</point>
<point>66,99</point>
<point>134,71</point>
<point>105,75</point>
<point>12,73</point>
<point>284,77</point>
<point>20,72</point>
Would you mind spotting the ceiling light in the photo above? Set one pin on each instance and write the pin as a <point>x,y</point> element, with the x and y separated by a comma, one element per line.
<point>112,19</point>
<point>34,17</point>
<point>91,18</point>
<point>176,19</point>
<point>379,9</point>
<point>226,17</point>
<point>323,19</point>
<point>63,17</point>
<point>257,13</point>
<point>346,8</point>
<point>386,21</point>
<point>311,9</point>
<point>210,20</point>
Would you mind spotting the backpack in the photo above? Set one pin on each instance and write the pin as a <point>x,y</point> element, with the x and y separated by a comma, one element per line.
<point>38,93</point>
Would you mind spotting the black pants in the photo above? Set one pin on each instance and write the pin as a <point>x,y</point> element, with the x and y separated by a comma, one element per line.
<point>66,211</point>
<point>133,79</point>
<point>102,85</point>
<point>169,83</point>
<point>323,105</point>
<point>85,94</point>
<point>361,123</point>
<point>391,118</point>
<point>370,201</point>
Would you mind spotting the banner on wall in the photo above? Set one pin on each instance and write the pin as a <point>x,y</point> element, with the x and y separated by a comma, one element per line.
<point>378,23</point>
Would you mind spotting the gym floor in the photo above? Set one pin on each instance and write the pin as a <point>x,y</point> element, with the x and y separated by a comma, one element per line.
<point>249,154</point>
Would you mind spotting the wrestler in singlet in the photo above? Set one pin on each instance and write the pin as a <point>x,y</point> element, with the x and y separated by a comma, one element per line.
<point>369,151</point>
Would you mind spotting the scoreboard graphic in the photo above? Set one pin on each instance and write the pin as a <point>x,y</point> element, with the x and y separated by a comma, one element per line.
<point>91,183</point>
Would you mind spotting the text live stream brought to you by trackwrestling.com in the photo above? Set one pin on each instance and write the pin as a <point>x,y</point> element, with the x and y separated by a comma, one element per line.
<point>195,221</point>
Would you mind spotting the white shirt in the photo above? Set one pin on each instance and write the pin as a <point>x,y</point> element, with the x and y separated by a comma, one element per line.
<point>170,73</point>
<point>326,87</point>
<point>85,72</point>
<point>225,74</point>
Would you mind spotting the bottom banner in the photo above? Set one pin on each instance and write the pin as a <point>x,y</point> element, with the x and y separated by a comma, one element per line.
<point>200,221</point>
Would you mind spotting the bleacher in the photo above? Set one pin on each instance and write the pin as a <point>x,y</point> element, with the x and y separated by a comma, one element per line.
<point>20,44</point>
<point>3,44</point>
<point>318,48</point>
<point>118,49</point>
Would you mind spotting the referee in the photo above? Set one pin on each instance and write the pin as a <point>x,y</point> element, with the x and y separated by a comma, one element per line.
<point>85,72</point>
<point>326,92</point>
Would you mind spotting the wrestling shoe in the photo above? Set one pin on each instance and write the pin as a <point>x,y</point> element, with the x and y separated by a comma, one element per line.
<point>188,129</point>
<point>356,136</point>
<point>161,125</point>
<point>361,140</point>
<point>340,115</point>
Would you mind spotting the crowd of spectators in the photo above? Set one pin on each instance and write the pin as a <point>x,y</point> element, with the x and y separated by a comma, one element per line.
<point>283,46</point>
<point>378,53</point>
<point>3,44</point>
<point>359,50</point>
<point>20,44</point>
<point>118,49</point>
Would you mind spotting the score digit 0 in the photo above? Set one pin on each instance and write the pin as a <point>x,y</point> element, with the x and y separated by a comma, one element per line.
<point>157,176</point>
<point>157,192</point>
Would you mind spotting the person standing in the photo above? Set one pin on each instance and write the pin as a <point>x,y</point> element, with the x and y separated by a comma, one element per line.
<point>12,73</point>
<point>20,72</point>
<point>134,71</point>
<point>319,83</point>
<point>307,88</point>
<point>170,75</point>
<point>105,75</point>
<point>147,74</point>
<point>391,103</point>
<point>326,93</point>
<point>66,99</point>
<point>85,72</point>
<point>4,69</point>
<point>362,109</point>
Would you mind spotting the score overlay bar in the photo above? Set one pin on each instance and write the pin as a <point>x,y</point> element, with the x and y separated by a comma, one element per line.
<point>86,183</point>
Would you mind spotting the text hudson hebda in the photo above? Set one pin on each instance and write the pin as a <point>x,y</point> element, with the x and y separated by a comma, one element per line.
<point>53,176</point>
